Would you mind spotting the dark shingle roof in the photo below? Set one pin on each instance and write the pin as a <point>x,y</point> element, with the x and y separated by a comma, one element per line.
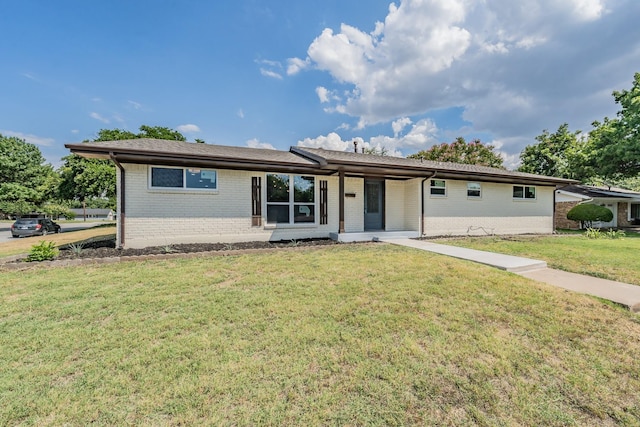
<point>330,158</point>
<point>589,191</point>
<point>297,160</point>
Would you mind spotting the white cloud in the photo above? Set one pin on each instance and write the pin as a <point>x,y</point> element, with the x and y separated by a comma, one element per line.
<point>135,105</point>
<point>400,124</point>
<point>240,113</point>
<point>98,117</point>
<point>323,94</point>
<point>332,141</point>
<point>421,136</point>
<point>75,131</point>
<point>513,67</point>
<point>270,73</point>
<point>30,138</point>
<point>188,128</point>
<point>255,143</point>
<point>296,65</point>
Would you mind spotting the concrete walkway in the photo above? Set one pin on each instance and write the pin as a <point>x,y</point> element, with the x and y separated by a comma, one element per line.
<point>621,293</point>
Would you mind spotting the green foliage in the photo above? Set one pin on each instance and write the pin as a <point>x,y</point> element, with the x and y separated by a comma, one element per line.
<point>77,248</point>
<point>617,141</point>
<point>615,234</point>
<point>43,251</point>
<point>586,214</point>
<point>56,211</point>
<point>459,151</point>
<point>592,233</point>
<point>377,151</point>
<point>25,181</point>
<point>562,154</point>
<point>83,178</point>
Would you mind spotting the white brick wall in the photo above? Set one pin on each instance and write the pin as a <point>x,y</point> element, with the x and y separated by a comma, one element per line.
<point>496,212</point>
<point>163,217</point>
<point>353,206</point>
<point>395,205</point>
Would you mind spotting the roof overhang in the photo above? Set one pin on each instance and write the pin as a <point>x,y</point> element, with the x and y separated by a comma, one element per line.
<point>184,160</point>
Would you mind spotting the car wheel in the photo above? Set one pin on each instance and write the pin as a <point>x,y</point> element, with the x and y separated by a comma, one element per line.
<point>45,232</point>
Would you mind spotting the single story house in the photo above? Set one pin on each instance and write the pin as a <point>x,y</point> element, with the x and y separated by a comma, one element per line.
<point>624,204</point>
<point>93,214</point>
<point>171,192</point>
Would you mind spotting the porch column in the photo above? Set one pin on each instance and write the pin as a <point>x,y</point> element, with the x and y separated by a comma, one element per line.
<point>341,202</point>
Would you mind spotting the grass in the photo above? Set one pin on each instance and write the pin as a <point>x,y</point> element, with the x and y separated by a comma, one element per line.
<point>614,259</point>
<point>23,245</point>
<point>343,335</point>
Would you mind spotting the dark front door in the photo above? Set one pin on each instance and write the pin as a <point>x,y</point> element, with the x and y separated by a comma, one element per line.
<point>373,205</point>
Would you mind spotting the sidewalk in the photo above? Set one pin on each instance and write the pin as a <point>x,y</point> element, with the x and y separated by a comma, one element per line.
<point>621,293</point>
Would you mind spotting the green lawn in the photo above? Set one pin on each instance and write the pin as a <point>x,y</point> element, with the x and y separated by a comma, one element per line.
<point>614,259</point>
<point>343,335</point>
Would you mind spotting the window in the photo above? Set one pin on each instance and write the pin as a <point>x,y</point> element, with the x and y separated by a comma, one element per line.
<point>438,187</point>
<point>185,178</point>
<point>290,199</point>
<point>524,192</point>
<point>474,189</point>
<point>635,211</point>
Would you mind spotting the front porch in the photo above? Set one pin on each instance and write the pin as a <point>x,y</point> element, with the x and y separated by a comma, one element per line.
<point>369,236</point>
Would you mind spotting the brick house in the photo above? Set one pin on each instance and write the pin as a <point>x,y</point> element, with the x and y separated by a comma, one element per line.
<point>173,192</point>
<point>624,204</point>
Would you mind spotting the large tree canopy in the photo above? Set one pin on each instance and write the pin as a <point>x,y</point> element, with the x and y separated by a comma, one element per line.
<point>25,181</point>
<point>562,154</point>
<point>617,141</point>
<point>459,151</point>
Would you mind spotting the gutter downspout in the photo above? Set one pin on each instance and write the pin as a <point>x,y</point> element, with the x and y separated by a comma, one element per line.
<point>422,202</point>
<point>120,191</point>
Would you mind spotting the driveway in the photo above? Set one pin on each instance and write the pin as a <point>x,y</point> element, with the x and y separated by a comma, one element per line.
<point>5,228</point>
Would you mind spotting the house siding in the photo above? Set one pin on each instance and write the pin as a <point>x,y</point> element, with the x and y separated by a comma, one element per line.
<point>163,217</point>
<point>394,205</point>
<point>495,212</point>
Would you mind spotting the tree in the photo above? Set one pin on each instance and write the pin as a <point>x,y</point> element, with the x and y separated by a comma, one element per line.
<point>586,214</point>
<point>25,181</point>
<point>617,141</point>
<point>459,151</point>
<point>562,154</point>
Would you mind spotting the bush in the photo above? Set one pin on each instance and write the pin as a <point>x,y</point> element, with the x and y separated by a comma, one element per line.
<point>586,214</point>
<point>43,251</point>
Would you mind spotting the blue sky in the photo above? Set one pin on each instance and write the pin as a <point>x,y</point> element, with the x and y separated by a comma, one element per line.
<point>402,75</point>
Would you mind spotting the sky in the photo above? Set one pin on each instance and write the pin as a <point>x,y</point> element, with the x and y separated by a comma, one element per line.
<point>401,76</point>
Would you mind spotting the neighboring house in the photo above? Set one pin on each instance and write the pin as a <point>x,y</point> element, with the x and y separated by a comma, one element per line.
<point>624,204</point>
<point>178,192</point>
<point>93,214</point>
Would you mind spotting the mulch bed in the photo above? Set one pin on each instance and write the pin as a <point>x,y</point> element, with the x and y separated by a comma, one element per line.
<point>107,248</point>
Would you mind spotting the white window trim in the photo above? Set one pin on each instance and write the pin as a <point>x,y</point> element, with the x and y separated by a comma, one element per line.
<point>184,188</point>
<point>474,197</point>
<point>438,196</point>
<point>273,225</point>
<point>523,198</point>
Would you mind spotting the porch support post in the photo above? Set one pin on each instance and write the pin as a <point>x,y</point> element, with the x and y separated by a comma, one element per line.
<point>341,202</point>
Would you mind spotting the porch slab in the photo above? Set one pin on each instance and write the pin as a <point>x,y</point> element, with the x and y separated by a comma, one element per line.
<point>375,236</point>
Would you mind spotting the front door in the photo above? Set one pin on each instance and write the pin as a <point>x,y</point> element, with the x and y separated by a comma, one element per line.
<point>373,204</point>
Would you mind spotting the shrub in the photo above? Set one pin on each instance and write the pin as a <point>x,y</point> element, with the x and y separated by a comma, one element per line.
<point>593,233</point>
<point>43,251</point>
<point>615,234</point>
<point>586,214</point>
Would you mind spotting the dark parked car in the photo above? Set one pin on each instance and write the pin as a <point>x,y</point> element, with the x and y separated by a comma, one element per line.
<point>24,227</point>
